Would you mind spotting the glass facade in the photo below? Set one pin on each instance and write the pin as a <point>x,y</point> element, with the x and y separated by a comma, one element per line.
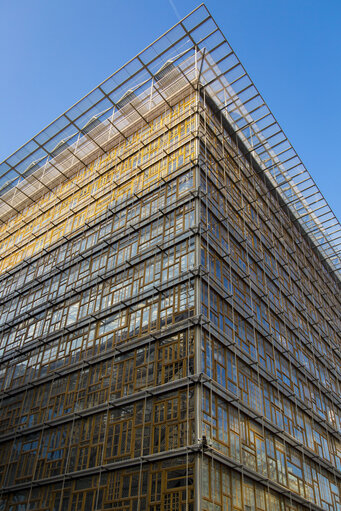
<point>169,327</point>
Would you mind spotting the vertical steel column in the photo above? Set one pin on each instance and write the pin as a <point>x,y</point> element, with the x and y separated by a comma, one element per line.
<point>197,331</point>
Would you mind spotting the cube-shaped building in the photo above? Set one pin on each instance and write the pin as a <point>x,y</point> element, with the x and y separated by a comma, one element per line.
<point>169,299</point>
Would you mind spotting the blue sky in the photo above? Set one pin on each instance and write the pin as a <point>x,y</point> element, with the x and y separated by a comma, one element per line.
<point>54,52</point>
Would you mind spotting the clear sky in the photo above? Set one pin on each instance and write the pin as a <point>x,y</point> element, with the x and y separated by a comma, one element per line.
<point>53,52</point>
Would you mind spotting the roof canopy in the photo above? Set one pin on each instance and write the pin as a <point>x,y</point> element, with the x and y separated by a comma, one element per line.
<point>193,51</point>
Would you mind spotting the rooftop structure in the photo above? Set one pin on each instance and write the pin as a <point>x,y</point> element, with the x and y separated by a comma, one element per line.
<point>193,51</point>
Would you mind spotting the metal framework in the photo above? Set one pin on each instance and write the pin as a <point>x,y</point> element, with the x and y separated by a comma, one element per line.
<point>169,307</point>
<point>73,138</point>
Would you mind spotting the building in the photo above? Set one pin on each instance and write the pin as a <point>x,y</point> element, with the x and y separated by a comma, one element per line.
<point>170,307</point>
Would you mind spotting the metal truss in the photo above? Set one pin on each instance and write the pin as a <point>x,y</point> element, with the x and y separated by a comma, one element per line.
<point>194,52</point>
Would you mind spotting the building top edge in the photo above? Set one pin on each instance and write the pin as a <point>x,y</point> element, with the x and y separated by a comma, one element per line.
<point>217,70</point>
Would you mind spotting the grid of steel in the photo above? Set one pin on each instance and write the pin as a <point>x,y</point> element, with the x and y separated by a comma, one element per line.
<point>191,291</point>
<point>79,133</point>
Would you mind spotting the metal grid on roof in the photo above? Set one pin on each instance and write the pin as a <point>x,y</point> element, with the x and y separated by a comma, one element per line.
<point>194,45</point>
